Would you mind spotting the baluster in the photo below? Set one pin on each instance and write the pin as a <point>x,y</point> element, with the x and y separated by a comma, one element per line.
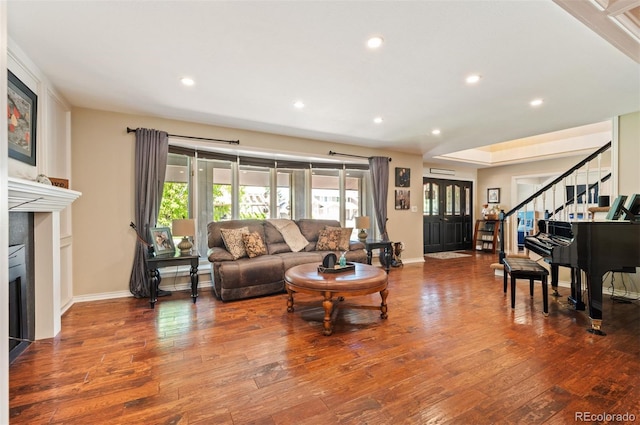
<point>587,195</point>
<point>553,211</point>
<point>575,195</point>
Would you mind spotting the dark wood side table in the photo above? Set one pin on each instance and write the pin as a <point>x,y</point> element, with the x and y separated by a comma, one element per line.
<point>155,263</point>
<point>385,246</point>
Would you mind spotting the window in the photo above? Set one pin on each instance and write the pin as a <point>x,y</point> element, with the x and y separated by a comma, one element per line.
<point>325,193</point>
<point>254,189</point>
<point>283,194</point>
<point>175,196</point>
<point>431,201</point>
<point>226,187</point>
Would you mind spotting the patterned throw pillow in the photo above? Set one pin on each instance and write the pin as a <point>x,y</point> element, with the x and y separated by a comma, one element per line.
<point>233,241</point>
<point>329,240</point>
<point>345,237</point>
<point>253,244</point>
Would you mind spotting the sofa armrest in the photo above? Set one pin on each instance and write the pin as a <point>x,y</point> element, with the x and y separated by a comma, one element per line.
<point>355,245</point>
<point>219,254</point>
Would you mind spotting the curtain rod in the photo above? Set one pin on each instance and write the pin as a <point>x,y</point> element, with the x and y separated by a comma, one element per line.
<point>231,142</point>
<point>348,154</point>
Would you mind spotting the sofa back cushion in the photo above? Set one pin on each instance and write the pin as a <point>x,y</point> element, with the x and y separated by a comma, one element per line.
<point>274,240</point>
<point>214,237</point>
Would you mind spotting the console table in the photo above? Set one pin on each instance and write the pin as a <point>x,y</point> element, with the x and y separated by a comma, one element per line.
<point>385,246</point>
<point>155,263</point>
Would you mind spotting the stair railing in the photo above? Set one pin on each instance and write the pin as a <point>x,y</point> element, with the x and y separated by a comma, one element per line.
<point>541,193</point>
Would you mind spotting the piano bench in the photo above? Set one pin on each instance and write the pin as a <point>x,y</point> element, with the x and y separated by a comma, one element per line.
<point>525,268</point>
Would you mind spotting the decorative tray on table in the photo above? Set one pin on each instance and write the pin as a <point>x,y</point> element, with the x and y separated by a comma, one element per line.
<point>337,268</point>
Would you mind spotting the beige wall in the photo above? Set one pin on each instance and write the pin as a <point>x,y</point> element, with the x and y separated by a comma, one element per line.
<point>103,167</point>
<point>629,154</point>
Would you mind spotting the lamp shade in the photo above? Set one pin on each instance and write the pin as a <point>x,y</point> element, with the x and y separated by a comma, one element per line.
<point>363,222</point>
<point>184,227</point>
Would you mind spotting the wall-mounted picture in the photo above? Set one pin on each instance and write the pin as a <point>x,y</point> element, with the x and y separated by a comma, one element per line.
<point>402,199</point>
<point>403,177</point>
<point>22,104</point>
<point>162,241</point>
<point>493,195</point>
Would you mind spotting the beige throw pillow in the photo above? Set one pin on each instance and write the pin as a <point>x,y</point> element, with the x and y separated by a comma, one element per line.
<point>233,241</point>
<point>253,244</point>
<point>345,237</point>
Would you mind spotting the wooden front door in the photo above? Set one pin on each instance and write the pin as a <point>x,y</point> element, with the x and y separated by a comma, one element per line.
<point>447,215</point>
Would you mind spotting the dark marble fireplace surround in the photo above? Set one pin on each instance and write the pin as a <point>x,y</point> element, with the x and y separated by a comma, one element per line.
<point>21,232</point>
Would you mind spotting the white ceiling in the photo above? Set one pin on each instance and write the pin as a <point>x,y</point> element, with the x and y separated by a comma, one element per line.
<point>252,59</point>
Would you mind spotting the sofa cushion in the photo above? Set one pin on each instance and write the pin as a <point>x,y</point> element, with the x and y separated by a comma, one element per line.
<point>233,241</point>
<point>345,236</point>
<point>291,259</point>
<point>253,244</point>
<point>329,240</point>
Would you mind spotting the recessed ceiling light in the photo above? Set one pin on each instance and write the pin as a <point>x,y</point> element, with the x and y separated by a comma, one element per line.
<point>435,131</point>
<point>298,104</point>
<point>187,81</point>
<point>378,120</point>
<point>473,79</point>
<point>374,42</point>
<point>536,102</point>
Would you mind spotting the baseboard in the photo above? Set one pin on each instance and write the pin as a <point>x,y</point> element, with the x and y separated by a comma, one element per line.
<point>413,260</point>
<point>125,294</point>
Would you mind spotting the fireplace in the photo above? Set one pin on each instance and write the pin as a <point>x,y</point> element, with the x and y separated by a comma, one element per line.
<point>34,216</point>
<point>21,290</point>
<point>18,328</point>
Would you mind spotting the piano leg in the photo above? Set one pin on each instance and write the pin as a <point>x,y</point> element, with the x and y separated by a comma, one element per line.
<point>554,280</point>
<point>594,294</point>
<point>576,289</point>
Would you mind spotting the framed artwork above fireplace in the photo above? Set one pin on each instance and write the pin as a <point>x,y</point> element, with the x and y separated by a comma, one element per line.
<point>22,117</point>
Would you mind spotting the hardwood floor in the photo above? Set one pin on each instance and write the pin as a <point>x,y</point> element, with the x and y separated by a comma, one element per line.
<point>451,351</point>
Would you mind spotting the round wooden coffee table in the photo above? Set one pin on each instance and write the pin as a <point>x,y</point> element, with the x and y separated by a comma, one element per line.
<point>364,280</point>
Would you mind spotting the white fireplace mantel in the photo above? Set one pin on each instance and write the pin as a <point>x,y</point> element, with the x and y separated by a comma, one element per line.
<point>30,196</point>
<point>46,201</point>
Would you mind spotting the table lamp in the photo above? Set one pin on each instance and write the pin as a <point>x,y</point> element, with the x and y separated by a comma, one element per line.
<point>363,224</point>
<point>185,228</point>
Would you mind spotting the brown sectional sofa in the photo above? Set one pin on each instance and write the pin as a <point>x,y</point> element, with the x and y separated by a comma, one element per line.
<point>250,277</point>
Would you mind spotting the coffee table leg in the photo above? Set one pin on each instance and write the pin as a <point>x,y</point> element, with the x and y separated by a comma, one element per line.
<point>383,305</point>
<point>328,308</point>
<point>290,301</point>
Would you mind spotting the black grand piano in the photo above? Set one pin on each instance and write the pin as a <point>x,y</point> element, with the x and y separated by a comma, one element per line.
<point>594,247</point>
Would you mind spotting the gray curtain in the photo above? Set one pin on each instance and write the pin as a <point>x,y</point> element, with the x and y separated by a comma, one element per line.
<point>379,167</point>
<point>152,147</point>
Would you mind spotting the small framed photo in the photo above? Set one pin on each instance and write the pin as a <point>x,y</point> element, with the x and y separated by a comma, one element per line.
<point>162,241</point>
<point>22,106</point>
<point>403,177</point>
<point>402,199</point>
<point>493,195</point>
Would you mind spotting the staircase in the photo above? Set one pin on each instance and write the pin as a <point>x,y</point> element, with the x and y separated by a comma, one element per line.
<point>572,196</point>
